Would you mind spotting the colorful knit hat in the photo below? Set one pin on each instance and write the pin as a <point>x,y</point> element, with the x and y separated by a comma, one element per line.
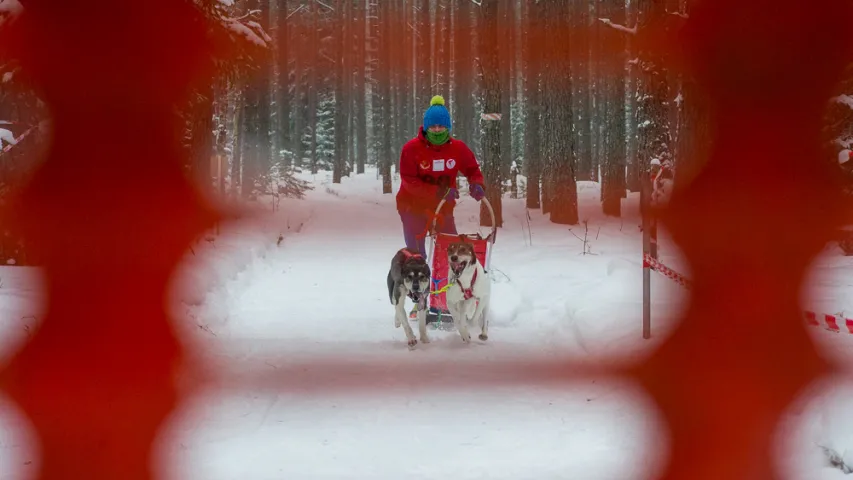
<point>437,114</point>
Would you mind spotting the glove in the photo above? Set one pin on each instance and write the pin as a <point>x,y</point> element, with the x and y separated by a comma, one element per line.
<point>477,192</point>
<point>450,194</point>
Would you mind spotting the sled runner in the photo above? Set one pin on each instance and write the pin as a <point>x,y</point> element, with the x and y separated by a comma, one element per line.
<point>437,315</point>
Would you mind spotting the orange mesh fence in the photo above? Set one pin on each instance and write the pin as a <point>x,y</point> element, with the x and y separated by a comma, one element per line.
<point>97,380</point>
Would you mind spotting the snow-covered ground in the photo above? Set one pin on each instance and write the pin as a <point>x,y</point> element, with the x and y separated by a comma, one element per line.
<point>247,302</point>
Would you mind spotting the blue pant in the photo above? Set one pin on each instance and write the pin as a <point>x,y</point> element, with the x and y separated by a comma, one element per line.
<point>415,224</point>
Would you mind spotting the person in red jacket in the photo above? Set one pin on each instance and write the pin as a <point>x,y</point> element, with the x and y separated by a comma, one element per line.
<point>429,165</point>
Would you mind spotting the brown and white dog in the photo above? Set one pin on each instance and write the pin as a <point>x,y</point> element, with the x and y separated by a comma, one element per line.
<point>468,297</point>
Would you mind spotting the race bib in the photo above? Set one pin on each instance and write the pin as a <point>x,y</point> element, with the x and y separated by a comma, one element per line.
<point>438,165</point>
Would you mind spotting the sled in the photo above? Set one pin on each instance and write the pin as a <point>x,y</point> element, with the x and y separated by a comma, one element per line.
<point>438,317</point>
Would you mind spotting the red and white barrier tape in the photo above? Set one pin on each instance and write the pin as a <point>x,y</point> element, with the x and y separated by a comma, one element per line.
<point>654,264</point>
<point>833,323</point>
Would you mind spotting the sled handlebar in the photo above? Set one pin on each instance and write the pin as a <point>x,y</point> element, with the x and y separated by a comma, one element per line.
<point>494,229</point>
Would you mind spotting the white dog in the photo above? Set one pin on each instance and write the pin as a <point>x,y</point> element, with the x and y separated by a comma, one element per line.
<point>468,297</point>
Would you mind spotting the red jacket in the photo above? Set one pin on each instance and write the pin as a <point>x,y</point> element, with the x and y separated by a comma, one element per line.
<point>425,167</point>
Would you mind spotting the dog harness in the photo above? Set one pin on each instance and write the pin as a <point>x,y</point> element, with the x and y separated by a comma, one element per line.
<point>409,254</point>
<point>468,292</point>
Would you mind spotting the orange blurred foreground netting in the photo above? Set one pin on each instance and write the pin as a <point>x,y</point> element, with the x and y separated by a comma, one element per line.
<point>111,216</point>
<point>97,380</point>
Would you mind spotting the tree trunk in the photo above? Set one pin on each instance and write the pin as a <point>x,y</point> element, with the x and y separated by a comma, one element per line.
<point>201,143</point>
<point>423,55</point>
<point>446,56</point>
<point>613,120</point>
<point>314,35</point>
<point>491,86</point>
<point>338,165</point>
<point>654,138</point>
<point>360,90</point>
<point>404,107</point>
<point>283,98</point>
<point>632,72</point>
<point>462,108</point>
<point>532,136</point>
<point>298,52</point>
<point>563,206</point>
<point>505,61</point>
<point>386,153</point>
<point>695,134</point>
<point>237,150</point>
<point>373,77</point>
<point>265,157</point>
<point>596,86</point>
<point>578,17</point>
<point>251,169</point>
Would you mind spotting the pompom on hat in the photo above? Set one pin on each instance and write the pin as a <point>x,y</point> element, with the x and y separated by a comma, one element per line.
<point>844,156</point>
<point>437,114</point>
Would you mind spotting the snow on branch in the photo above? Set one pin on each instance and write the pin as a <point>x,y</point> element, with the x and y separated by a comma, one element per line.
<point>327,6</point>
<point>9,10</point>
<point>845,99</point>
<point>8,137</point>
<point>252,31</point>
<point>259,30</point>
<point>844,142</point>
<point>621,28</point>
<point>295,11</point>
<point>250,13</point>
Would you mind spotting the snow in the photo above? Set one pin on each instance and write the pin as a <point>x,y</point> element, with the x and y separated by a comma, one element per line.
<point>844,142</point>
<point>7,136</point>
<point>621,28</point>
<point>241,29</point>
<point>9,10</point>
<point>21,309</point>
<point>843,99</point>
<point>274,291</point>
<point>258,28</point>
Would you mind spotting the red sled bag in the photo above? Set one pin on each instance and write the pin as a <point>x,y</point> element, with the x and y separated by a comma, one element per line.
<point>439,266</point>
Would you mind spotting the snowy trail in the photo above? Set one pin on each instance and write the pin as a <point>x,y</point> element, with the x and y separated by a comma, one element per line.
<point>323,292</point>
<point>324,289</point>
<point>250,308</point>
<point>324,283</point>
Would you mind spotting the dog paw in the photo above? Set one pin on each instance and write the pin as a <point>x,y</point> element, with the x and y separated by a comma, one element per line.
<point>466,337</point>
<point>424,338</point>
<point>483,337</point>
<point>413,341</point>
